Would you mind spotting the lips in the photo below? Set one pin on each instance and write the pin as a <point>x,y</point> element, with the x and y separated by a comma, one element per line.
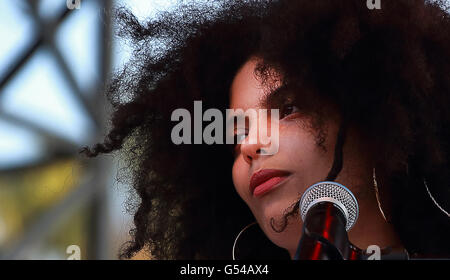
<point>265,179</point>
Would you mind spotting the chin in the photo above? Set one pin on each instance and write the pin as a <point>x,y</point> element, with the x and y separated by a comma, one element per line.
<point>289,237</point>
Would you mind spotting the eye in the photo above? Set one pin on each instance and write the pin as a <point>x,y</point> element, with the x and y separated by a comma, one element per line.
<point>240,135</point>
<point>288,109</point>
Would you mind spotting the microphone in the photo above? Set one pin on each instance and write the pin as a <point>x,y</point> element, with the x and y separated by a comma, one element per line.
<point>328,211</point>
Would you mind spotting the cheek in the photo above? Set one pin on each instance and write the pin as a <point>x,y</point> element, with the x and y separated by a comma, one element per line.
<point>298,145</point>
<point>240,176</point>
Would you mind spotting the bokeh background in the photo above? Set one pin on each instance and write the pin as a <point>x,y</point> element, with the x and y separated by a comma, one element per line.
<point>54,63</point>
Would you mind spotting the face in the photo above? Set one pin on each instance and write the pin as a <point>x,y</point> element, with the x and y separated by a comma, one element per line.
<point>299,163</point>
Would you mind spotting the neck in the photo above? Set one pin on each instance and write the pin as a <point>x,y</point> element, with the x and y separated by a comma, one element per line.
<point>371,227</point>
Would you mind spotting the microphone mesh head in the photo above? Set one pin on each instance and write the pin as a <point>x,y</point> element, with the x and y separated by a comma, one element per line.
<point>331,192</point>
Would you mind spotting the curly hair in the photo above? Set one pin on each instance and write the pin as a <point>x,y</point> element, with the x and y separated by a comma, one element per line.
<point>387,71</point>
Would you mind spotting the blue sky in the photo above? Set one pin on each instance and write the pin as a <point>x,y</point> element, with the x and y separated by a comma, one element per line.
<point>39,94</point>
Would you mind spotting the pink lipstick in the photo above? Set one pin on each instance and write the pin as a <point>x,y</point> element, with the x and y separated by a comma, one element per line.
<point>265,180</point>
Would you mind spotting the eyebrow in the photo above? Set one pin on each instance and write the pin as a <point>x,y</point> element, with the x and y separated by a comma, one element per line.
<point>269,97</point>
<point>263,102</point>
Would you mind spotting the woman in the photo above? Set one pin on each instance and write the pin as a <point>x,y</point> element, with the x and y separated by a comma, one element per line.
<point>362,97</point>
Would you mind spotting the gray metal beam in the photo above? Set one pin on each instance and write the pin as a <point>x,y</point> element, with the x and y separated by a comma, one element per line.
<point>93,190</point>
<point>27,53</point>
<point>99,222</point>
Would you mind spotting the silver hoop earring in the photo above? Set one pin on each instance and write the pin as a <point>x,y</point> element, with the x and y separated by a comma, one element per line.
<point>375,184</point>
<point>434,201</point>
<point>237,237</point>
<point>426,187</point>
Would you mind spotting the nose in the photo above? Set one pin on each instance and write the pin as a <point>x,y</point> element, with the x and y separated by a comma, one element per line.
<point>258,142</point>
<point>251,152</point>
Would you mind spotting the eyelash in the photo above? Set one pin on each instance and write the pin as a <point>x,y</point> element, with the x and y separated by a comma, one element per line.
<point>283,113</point>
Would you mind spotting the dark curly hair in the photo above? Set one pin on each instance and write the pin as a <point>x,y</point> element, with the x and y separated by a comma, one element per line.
<point>387,71</point>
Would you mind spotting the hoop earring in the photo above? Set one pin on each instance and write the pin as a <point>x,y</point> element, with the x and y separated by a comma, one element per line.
<point>375,184</point>
<point>426,187</point>
<point>237,237</point>
<point>434,201</point>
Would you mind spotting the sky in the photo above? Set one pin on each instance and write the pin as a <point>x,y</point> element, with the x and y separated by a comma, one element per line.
<point>39,93</point>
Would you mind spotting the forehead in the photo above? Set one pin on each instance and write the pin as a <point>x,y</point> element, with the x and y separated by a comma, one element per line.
<point>246,89</point>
